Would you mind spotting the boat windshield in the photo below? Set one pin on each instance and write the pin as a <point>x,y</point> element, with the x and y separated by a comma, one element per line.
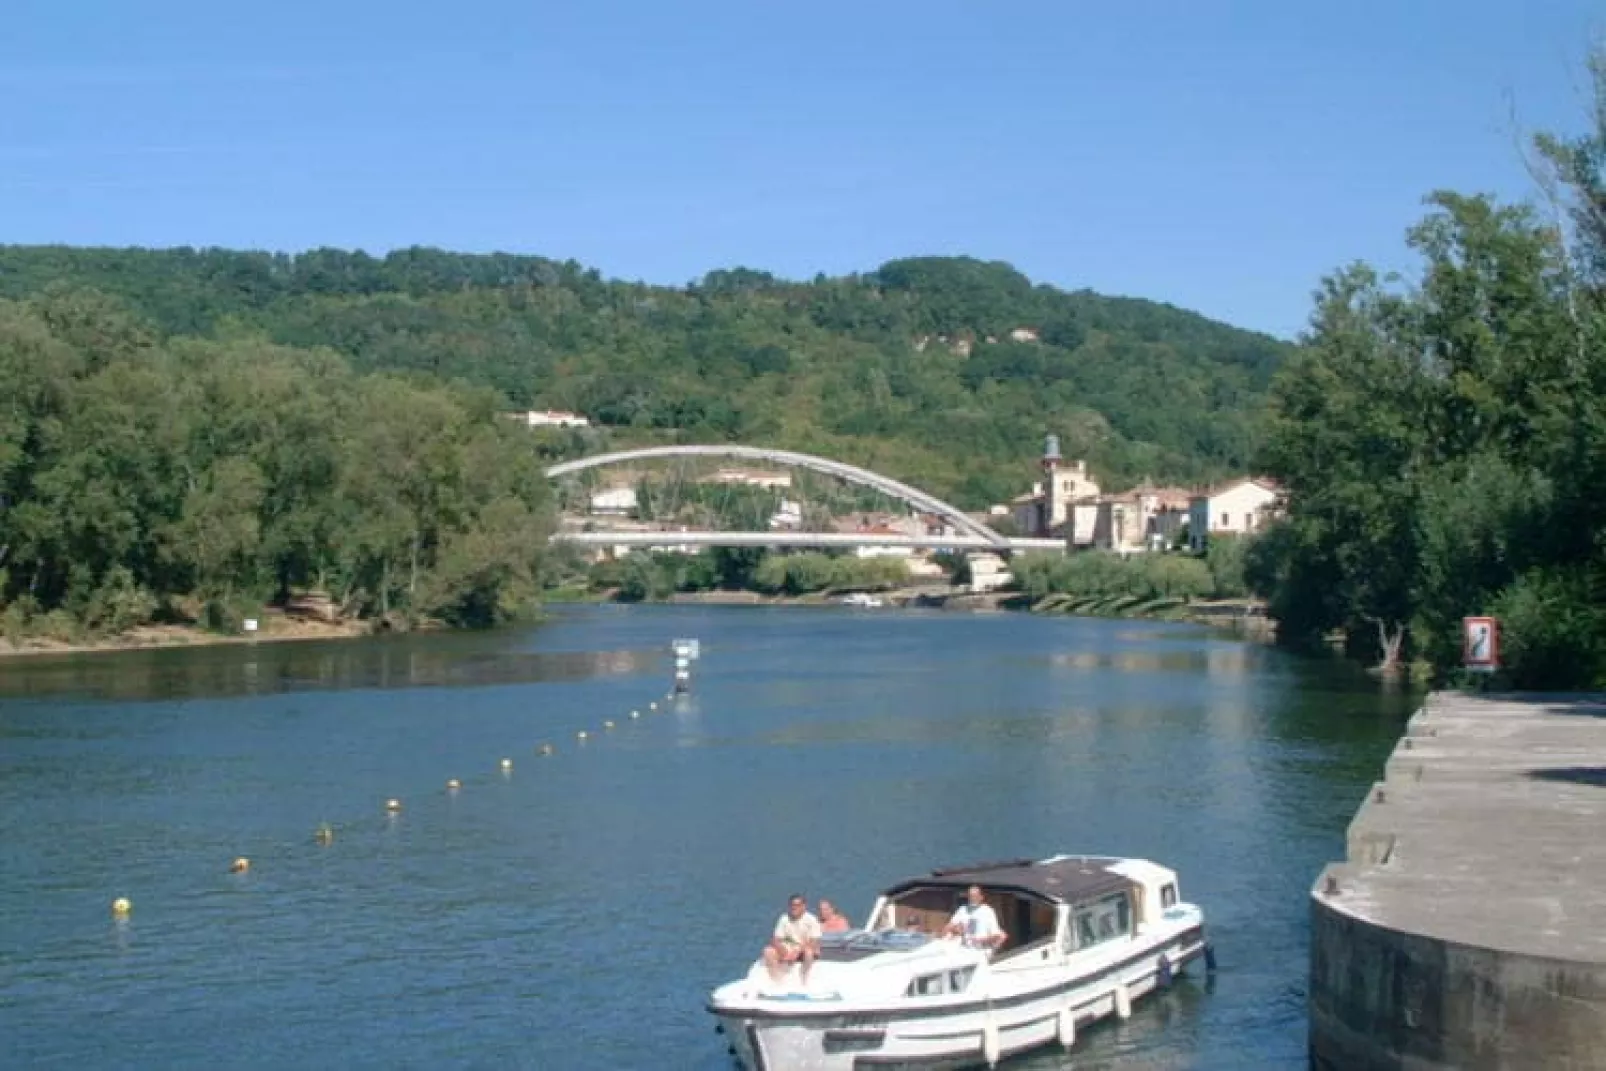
<point>856,944</point>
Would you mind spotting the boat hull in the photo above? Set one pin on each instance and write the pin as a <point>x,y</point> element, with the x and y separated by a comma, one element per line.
<point>965,1035</point>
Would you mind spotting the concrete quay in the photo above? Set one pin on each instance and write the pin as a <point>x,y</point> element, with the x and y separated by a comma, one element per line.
<point>1467,926</point>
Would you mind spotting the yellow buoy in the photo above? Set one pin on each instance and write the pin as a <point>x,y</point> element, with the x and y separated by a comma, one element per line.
<point>607,725</point>
<point>454,784</point>
<point>240,865</point>
<point>324,834</point>
<point>121,906</point>
<point>393,805</point>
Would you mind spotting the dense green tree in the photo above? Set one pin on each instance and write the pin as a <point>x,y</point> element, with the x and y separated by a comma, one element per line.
<point>1444,444</point>
<point>141,476</point>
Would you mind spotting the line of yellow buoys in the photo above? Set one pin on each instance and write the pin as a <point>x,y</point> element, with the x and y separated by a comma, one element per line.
<point>324,835</point>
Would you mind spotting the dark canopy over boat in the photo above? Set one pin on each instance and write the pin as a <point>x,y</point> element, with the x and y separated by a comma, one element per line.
<point>1062,880</point>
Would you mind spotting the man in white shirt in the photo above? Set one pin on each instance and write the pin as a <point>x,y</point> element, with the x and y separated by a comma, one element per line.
<point>796,939</point>
<point>975,923</point>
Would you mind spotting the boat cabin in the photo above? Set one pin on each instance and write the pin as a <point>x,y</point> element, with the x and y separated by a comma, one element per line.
<point>1068,903</point>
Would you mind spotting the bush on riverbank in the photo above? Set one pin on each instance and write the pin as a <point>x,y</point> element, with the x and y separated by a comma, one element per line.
<point>803,574</point>
<point>649,576</point>
<point>1099,573</point>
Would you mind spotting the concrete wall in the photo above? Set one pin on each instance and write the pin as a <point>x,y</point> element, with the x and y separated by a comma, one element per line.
<point>1466,928</point>
<point>1380,999</point>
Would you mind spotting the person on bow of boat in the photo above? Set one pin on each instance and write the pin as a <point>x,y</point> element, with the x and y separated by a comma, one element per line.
<point>796,940</point>
<point>976,923</point>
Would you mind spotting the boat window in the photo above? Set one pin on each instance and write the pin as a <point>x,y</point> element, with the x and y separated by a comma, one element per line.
<point>1168,895</point>
<point>1105,920</point>
<point>927,985</point>
<point>958,980</point>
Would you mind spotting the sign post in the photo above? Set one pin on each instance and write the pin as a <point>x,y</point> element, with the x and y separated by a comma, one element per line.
<point>1480,644</point>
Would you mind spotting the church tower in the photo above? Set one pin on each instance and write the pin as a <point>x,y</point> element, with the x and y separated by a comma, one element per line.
<point>1051,509</point>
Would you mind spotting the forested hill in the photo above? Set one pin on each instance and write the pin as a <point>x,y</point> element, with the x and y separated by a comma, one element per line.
<point>910,368</point>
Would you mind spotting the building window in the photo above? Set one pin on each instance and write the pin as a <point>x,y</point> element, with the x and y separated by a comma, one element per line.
<point>1226,521</point>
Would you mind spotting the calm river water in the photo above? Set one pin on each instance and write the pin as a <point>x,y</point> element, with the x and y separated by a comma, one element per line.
<point>573,912</point>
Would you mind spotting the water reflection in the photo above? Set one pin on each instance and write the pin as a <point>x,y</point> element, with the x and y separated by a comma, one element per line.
<point>270,668</point>
<point>1225,660</point>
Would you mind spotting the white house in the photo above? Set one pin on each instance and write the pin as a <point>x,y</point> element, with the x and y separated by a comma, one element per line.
<point>1238,507</point>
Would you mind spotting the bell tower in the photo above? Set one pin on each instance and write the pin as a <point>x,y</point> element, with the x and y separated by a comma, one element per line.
<point>1052,509</point>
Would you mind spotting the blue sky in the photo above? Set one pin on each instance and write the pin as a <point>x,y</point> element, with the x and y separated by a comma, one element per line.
<point>1221,156</point>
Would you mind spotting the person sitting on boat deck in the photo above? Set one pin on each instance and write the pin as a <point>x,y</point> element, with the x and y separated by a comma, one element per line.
<point>976,923</point>
<point>832,920</point>
<point>796,939</point>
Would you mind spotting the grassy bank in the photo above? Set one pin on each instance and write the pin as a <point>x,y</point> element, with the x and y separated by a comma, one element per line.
<point>273,627</point>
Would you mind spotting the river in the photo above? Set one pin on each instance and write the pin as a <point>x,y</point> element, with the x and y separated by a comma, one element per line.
<point>573,912</point>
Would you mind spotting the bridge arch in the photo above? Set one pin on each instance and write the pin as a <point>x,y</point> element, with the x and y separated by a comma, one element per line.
<point>851,473</point>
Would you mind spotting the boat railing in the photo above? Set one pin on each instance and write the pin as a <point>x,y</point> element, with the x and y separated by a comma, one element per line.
<point>857,944</point>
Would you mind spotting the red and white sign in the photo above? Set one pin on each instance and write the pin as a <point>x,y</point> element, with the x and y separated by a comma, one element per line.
<point>1480,642</point>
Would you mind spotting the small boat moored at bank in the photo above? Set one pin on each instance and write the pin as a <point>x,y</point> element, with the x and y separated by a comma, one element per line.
<point>1084,937</point>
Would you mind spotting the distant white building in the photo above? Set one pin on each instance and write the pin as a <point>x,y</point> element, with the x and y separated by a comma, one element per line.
<point>789,517</point>
<point>1238,507</point>
<point>751,477</point>
<point>614,501</point>
<point>551,418</point>
<point>987,572</point>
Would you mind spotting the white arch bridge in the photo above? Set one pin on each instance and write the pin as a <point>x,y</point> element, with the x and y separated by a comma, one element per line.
<point>969,534</point>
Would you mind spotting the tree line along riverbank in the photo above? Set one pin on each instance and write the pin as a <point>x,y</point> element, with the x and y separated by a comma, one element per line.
<point>1176,588</point>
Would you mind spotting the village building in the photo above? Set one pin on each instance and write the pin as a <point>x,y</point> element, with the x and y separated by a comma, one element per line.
<point>1236,508</point>
<point>1064,504</point>
<point>1146,518</point>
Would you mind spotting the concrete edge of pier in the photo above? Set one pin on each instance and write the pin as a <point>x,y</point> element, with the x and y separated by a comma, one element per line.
<point>1466,927</point>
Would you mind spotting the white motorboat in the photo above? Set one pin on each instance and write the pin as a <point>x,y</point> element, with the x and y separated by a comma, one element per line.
<point>1085,937</point>
<point>862,600</point>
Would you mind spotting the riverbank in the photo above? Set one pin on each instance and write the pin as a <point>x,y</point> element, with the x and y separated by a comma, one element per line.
<point>1240,614</point>
<point>274,626</point>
